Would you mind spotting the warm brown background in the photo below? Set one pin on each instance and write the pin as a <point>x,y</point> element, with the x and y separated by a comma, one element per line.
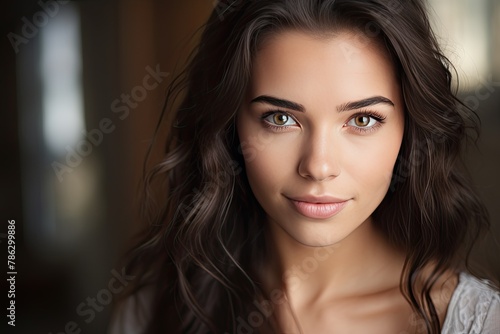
<point>70,234</point>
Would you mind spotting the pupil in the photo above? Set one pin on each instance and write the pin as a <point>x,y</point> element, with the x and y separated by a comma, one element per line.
<point>362,121</point>
<point>281,119</point>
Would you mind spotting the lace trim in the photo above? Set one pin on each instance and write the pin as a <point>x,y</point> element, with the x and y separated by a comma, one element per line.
<point>469,306</point>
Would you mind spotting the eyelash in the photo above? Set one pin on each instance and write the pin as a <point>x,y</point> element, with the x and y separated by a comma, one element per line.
<point>372,114</point>
<point>276,127</point>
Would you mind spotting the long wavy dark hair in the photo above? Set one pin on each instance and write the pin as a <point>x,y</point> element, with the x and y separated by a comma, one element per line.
<point>198,254</point>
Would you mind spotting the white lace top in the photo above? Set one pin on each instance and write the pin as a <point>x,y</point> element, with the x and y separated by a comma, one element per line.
<point>474,308</point>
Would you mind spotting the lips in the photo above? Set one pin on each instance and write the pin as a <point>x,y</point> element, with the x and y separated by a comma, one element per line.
<point>318,207</point>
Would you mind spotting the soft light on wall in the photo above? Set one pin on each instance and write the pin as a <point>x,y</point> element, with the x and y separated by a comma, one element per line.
<point>61,85</point>
<point>464,31</point>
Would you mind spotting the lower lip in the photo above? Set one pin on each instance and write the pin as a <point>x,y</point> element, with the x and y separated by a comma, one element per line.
<point>318,210</point>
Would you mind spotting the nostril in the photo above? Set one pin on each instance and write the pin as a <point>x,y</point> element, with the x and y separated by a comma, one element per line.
<point>318,172</point>
<point>319,155</point>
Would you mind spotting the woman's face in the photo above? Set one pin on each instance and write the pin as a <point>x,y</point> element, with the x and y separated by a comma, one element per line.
<point>320,131</point>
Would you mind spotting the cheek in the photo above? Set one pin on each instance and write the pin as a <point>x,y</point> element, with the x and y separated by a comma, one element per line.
<point>256,148</point>
<point>265,166</point>
<point>267,156</point>
<point>371,166</point>
<point>254,140</point>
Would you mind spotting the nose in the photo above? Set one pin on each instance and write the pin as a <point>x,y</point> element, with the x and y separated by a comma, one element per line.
<point>320,157</point>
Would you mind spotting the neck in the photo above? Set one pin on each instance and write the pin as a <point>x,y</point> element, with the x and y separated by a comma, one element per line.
<point>362,263</point>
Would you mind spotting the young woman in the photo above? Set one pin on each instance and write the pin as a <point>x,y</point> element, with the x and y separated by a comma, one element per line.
<point>312,181</point>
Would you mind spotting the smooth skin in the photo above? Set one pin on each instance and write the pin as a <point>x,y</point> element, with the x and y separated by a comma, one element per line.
<point>324,116</point>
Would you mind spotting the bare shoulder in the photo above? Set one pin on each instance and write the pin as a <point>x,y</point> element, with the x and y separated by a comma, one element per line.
<point>443,291</point>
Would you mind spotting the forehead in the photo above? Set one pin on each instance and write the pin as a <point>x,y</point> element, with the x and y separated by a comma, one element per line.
<point>342,66</point>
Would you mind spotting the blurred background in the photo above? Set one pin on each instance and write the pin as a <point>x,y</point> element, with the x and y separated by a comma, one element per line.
<point>83,84</point>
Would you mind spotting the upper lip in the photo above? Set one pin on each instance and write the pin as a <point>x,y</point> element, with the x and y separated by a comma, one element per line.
<point>323,199</point>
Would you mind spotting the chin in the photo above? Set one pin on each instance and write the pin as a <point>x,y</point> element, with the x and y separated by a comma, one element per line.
<point>313,237</point>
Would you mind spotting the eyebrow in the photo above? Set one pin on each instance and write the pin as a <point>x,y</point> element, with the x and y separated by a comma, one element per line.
<point>365,103</point>
<point>353,105</point>
<point>279,103</point>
